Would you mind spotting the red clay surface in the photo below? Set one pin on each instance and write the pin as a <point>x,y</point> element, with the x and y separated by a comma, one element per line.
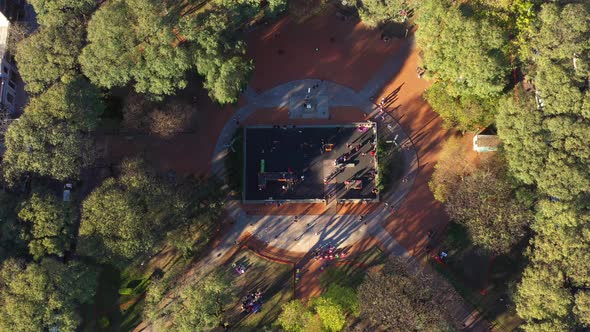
<point>420,212</point>
<point>349,53</point>
<point>186,153</point>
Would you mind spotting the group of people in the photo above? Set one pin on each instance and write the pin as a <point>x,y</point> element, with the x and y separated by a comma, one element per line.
<point>253,302</point>
<point>329,253</point>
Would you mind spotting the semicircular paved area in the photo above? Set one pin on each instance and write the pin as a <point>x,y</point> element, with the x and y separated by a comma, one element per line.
<point>315,230</point>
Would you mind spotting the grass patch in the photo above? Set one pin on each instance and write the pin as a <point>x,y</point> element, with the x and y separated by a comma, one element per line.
<point>274,279</point>
<point>390,167</point>
<point>350,272</point>
<point>234,163</point>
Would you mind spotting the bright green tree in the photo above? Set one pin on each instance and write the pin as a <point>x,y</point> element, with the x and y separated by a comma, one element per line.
<point>295,317</point>
<point>455,51</point>
<point>331,314</point>
<point>61,12</point>
<point>541,296</point>
<point>582,308</point>
<point>130,40</point>
<point>344,296</point>
<point>50,55</point>
<point>45,295</point>
<point>51,137</point>
<point>49,224</point>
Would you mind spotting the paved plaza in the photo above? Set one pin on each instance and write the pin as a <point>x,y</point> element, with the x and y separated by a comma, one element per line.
<point>319,164</point>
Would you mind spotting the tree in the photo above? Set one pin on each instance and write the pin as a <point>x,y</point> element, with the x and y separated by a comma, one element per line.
<point>60,12</point>
<point>122,217</point>
<point>470,69</point>
<point>51,137</point>
<point>18,31</point>
<point>451,167</point>
<point>484,202</point>
<point>129,40</point>
<point>50,224</point>
<point>49,56</point>
<point>394,299</point>
<point>465,113</point>
<point>345,297</point>
<point>375,13</point>
<point>331,314</point>
<point>44,295</point>
<point>203,304</point>
<point>582,308</point>
<point>171,118</point>
<point>218,56</point>
<point>455,51</point>
<point>295,317</point>
<point>541,296</point>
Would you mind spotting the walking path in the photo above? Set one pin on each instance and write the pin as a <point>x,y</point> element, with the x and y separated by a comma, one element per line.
<point>311,231</point>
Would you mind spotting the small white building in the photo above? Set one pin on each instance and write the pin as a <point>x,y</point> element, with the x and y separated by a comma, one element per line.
<point>486,140</point>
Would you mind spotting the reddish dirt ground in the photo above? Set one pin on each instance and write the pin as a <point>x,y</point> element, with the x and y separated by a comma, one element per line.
<point>186,153</point>
<point>349,53</point>
<point>420,212</point>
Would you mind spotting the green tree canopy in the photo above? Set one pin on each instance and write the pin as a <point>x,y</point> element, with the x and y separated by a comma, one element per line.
<point>296,317</point>
<point>331,314</point>
<point>203,304</point>
<point>484,202</point>
<point>218,55</point>
<point>470,69</point>
<point>395,299</point>
<point>121,218</point>
<point>49,55</point>
<point>40,296</point>
<point>51,137</point>
<point>61,12</point>
<point>131,41</point>
<point>377,12</point>
<point>49,222</point>
<point>451,167</point>
<point>455,51</point>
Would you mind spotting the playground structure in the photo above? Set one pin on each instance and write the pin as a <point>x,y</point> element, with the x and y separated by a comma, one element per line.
<point>310,164</point>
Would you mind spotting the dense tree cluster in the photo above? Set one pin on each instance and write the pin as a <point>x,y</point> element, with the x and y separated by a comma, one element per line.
<point>130,40</point>
<point>114,216</point>
<point>546,142</point>
<point>484,202</point>
<point>202,305</point>
<point>42,296</point>
<point>378,12</point>
<point>395,299</point>
<point>126,216</point>
<point>470,68</point>
<point>52,137</point>
<point>51,54</point>
<point>325,313</point>
<point>49,224</point>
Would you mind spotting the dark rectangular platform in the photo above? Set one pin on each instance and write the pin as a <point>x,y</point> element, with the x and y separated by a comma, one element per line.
<point>310,163</point>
